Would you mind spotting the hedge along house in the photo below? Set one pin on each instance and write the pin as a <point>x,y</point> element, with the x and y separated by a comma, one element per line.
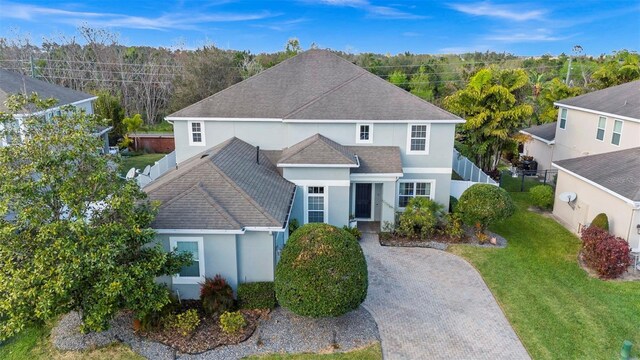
<point>351,144</point>
<point>230,208</point>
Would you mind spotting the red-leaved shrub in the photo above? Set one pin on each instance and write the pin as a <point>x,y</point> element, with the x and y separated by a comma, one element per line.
<point>606,254</point>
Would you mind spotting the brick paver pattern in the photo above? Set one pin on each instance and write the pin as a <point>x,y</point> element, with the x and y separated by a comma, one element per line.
<point>430,304</point>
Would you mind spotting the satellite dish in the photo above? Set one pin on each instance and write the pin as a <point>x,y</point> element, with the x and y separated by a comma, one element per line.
<point>568,196</point>
<point>131,174</point>
<point>146,170</point>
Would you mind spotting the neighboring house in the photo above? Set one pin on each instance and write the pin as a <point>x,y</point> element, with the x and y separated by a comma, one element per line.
<point>604,183</point>
<point>594,123</point>
<point>540,146</point>
<point>15,83</point>
<point>351,144</point>
<point>595,147</point>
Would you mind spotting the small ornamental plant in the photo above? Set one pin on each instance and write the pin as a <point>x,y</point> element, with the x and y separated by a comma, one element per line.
<point>608,255</point>
<point>542,196</point>
<point>216,295</point>
<point>601,221</point>
<point>232,322</point>
<point>185,323</point>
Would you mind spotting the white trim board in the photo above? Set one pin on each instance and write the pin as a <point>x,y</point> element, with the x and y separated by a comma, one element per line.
<point>433,170</point>
<point>592,183</point>
<point>75,103</point>
<point>285,165</point>
<point>347,121</point>
<point>596,112</point>
<point>321,182</point>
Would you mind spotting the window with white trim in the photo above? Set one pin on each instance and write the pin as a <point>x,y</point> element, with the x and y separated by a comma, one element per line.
<point>194,272</point>
<point>196,133</point>
<point>408,190</point>
<point>602,125</point>
<point>563,118</point>
<point>316,204</point>
<point>617,132</point>
<point>365,133</point>
<point>418,139</point>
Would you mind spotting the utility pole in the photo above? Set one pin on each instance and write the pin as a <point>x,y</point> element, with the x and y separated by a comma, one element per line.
<point>577,49</point>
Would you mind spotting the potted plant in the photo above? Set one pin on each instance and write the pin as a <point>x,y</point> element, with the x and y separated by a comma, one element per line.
<point>353,223</point>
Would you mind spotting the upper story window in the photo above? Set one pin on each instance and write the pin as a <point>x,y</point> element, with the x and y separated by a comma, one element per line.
<point>316,204</point>
<point>194,272</point>
<point>364,133</point>
<point>409,190</point>
<point>563,118</point>
<point>617,132</point>
<point>602,125</point>
<point>196,133</point>
<point>417,139</point>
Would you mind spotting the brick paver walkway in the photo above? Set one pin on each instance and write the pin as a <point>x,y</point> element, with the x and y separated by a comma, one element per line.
<point>430,304</point>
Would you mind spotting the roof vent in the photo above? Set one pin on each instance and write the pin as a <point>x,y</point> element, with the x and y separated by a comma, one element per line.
<point>204,156</point>
<point>258,155</point>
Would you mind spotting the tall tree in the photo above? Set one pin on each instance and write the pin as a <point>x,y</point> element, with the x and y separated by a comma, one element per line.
<point>73,235</point>
<point>108,107</point>
<point>492,103</point>
<point>551,92</point>
<point>420,85</point>
<point>398,78</point>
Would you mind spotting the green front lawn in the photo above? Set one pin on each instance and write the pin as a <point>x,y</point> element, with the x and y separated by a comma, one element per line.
<point>139,161</point>
<point>557,310</point>
<point>371,352</point>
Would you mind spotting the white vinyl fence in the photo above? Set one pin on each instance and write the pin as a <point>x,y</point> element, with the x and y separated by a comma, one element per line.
<point>160,167</point>
<point>469,172</point>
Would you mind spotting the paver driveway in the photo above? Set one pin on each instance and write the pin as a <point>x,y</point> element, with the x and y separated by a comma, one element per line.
<point>430,304</point>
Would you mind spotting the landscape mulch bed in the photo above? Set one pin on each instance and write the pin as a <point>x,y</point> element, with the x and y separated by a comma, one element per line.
<point>441,242</point>
<point>208,335</point>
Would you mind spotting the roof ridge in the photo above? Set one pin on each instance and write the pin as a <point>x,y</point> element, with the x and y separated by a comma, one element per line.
<point>243,193</point>
<point>326,93</point>
<point>232,220</point>
<point>240,82</point>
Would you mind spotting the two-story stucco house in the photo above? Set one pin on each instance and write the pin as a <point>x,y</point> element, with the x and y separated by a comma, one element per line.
<point>15,83</point>
<point>315,139</point>
<point>595,145</point>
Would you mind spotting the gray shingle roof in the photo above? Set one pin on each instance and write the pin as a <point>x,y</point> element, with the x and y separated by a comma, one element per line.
<point>377,159</point>
<point>618,171</point>
<point>15,83</point>
<point>318,150</point>
<point>621,100</point>
<point>223,188</point>
<point>316,84</point>
<point>544,131</point>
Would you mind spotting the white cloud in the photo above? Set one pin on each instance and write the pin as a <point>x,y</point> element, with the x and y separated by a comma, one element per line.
<point>180,20</point>
<point>385,12</point>
<point>509,12</point>
<point>525,35</point>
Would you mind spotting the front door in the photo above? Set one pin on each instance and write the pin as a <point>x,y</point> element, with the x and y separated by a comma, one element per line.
<point>363,201</point>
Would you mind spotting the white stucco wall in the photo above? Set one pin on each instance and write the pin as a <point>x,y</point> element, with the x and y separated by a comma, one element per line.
<point>592,201</point>
<point>541,152</point>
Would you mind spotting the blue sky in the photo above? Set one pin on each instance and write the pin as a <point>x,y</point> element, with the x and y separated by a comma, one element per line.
<point>523,28</point>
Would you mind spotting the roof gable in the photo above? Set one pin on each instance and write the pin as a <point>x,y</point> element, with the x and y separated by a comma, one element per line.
<point>318,150</point>
<point>315,84</point>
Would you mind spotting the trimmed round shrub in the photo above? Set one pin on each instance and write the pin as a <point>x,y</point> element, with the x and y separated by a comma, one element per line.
<point>232,322</point>
<point>482,205</point>
<point>257,295</point>
<point>608,255</point>
<point>601,221</point>
<point>542,196</point>
<point>322,272</point>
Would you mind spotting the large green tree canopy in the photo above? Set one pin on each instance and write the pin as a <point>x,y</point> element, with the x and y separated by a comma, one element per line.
<point>493,105</point>
<point>73,235</point>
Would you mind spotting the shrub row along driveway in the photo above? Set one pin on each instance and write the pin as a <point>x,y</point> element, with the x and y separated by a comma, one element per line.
<point>432,304</point>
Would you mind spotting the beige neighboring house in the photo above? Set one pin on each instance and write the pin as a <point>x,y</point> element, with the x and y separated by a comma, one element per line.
<point>596,149</point>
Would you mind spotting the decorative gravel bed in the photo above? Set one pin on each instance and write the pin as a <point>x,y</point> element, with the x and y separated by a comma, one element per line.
<point>278,332</point>
<point>442,242</point>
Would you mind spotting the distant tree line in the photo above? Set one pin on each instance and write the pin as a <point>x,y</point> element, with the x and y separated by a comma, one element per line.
<point>155,82</point>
